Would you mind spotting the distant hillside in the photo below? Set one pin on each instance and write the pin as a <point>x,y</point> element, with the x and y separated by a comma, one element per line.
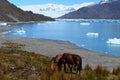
<point>10,13</point>
<point>108,10</point>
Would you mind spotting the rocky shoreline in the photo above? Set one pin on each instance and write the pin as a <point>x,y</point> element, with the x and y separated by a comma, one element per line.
<point>52,47</point>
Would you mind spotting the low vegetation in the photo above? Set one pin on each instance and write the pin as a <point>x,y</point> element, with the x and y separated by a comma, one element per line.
<point>17,64</point>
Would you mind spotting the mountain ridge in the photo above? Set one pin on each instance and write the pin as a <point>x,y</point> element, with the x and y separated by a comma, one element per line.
<point>99,11</point>
<point>10,13</point>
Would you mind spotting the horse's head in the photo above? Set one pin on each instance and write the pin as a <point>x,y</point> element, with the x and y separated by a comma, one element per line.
<point>59,64</point>
<point>57,58</point>
<point>52,64</point>
<point>55,61</point>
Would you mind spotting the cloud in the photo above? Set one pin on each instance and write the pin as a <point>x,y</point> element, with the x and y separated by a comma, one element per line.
<point>85,4</point>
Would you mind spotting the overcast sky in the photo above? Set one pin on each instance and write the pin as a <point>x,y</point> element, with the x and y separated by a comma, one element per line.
<point>64,2</point>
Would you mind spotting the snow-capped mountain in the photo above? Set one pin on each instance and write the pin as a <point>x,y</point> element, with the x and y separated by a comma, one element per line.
<point>55,7</point>
<point>106,1</point>
<point>54,10</point>
<point>110,10</point>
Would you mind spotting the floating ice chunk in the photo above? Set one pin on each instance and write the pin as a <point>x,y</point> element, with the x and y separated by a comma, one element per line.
<point>3,24</point>
<point>6,32</point>
<point>90,34</point>
<point>20,32</point>
<point>51,22</point>
<point>84,24</point>
<point>113,41</point>
<point>83,45</point>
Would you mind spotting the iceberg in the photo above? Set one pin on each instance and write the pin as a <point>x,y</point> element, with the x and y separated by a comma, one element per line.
<point>84,24</point>
<point>113,41</point>
<point>19,32</point>
<point>3,24</point>
<point>82,45</point>
<point>91,34</point>
<point>6,32</point>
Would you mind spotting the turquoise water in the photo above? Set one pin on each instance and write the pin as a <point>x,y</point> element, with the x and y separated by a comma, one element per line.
<point>96,35</point>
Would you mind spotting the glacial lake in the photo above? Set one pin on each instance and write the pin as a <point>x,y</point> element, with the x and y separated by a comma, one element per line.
<point>96,35</point>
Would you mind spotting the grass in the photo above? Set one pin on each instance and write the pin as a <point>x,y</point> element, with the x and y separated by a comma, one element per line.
<point>17,64</point>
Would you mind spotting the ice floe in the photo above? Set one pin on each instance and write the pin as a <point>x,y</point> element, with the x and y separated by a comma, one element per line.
<point>3,24</point>
<point>19,32</point>
<point>113,41</point>
<point>82,45</point>
<point>91,34</point>
<point>84,24</point>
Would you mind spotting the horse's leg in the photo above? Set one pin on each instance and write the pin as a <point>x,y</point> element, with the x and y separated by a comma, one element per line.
<point>59,64</point>
<point>79,68</point>
<point>64,67</point>
<point>75,67</point>
<point>70,67</point>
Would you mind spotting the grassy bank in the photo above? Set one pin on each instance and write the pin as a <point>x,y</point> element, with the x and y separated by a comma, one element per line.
<point>17,64</point>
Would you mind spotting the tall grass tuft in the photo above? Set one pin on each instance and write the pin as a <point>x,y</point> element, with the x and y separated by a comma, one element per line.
<point>87,68</point>
<point>101,73</point>
<point>116,71</point>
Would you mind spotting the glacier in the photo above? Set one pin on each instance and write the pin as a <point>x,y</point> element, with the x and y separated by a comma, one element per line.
<point>54,10</point>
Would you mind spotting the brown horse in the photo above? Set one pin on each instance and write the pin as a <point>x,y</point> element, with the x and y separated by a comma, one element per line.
<point>55,60</point>
<point>72,60</point>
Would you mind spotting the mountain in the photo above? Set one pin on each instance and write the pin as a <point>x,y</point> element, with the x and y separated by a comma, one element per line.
<point>54,10</point>
<point>108,10</point>
<point>10,13</point>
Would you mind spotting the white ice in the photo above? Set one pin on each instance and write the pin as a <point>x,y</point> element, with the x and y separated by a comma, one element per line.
<point>113,41</point>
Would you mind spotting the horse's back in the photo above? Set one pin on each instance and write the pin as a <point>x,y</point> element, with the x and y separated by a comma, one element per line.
<point>71,55</point>
<point>73,59</point>
<point>77,57</point>
<point>68,57</point>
